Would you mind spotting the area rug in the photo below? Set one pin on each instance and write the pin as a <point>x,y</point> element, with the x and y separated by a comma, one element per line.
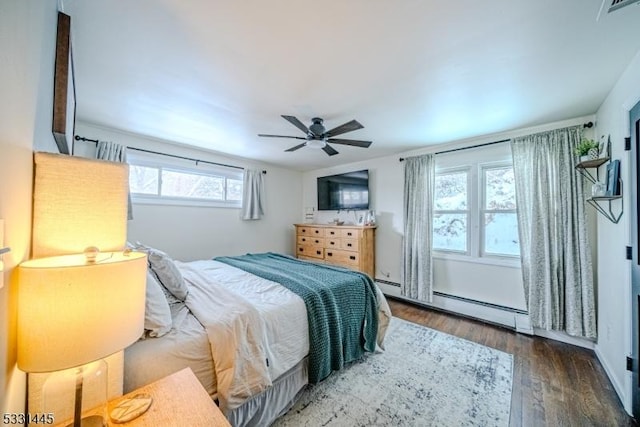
<point>423,378</point>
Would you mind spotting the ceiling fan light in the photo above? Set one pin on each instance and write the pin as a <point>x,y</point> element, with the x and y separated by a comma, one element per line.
<point>315,143</point>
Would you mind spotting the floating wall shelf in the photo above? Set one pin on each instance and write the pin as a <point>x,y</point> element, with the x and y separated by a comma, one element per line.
<point>583,168</point>
<point>601,203</point>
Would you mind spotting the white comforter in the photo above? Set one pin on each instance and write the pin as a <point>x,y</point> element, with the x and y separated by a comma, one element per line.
<point>257,328</point>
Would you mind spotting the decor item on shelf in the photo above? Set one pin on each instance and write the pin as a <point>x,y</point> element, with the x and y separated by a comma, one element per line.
<point>598,189</point>
<point>309,214</point>
<point>587,149</point>
<point>72,313</point>
<point>613,178</point>
<point>370,218</point>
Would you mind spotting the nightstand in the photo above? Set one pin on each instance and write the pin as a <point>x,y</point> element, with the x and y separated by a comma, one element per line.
<point>178,400</point>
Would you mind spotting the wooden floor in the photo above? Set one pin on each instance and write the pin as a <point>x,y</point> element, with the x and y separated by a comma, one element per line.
<point>554,384</point>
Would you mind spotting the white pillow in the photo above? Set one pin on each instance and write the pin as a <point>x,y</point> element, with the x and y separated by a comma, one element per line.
<point>157,315</point>
<point>166,272</point>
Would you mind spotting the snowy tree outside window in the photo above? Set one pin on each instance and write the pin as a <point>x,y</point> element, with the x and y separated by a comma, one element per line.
<point>152,180</point>
<point>500,235</point>
<point>475,211</point>
<point>450,212</point>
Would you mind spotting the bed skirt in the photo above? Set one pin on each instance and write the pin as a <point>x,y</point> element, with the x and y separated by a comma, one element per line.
<point>262,409</point>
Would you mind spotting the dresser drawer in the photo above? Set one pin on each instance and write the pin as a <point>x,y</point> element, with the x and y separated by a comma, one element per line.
<point>342,257</point>
<point>308,258</point>
<point>349,233</point>
<point>349,244</point>
<point>310,251</point>
<point>332,243</point>
<point>311,240</point>
<point>310,231</point>
<point>332,232</point>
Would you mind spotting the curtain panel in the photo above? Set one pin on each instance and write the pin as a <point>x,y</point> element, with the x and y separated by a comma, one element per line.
<point>556,259</point>
<point>252,195</point>
<point>419,183</point>
<point>107,150</point>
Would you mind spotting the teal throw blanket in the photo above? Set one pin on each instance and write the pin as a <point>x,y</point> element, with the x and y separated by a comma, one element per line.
<point>341,306</point>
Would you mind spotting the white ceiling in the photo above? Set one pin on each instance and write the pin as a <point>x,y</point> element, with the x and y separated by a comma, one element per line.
<point>214,73</point>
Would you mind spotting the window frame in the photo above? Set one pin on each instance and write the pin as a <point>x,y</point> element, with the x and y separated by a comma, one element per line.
<point>483,167</point>
<point>475,223</point>
<point>457,169</point>
<point>165,163</point>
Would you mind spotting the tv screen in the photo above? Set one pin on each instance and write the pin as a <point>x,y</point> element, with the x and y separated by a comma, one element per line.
<point>344,191</point>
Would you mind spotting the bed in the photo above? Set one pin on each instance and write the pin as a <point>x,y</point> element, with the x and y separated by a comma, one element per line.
<point>251,340</point>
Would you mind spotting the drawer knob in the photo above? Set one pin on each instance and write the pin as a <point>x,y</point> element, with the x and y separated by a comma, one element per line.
<point>329,254</point>
<point>349,234</point>
<point>352,257</point>
<point>319,252</point>
<point>304,240</point>
<point>317,241</point>
<point>349,244</point>
<point>333,243</point>
<point>317,231</point>
<point>301,249</point>
<point>304,230</point>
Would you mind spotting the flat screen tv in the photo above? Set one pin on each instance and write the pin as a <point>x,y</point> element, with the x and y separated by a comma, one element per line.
<point>344,191</point>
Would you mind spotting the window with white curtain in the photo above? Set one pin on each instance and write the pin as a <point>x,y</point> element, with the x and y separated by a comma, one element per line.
<point>475,206</point>
<point>165,180</point>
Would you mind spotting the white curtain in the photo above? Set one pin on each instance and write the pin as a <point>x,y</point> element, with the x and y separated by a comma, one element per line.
<point>555,254</point>
<point>253,195</point>
<point>107,150</point>
<point>419,182</point>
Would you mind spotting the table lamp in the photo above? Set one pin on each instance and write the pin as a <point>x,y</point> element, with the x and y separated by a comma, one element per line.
<point>78,309</point>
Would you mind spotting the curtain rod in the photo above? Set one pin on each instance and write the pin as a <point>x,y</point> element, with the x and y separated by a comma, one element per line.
<point>586,125</point>
<point>82,138</point>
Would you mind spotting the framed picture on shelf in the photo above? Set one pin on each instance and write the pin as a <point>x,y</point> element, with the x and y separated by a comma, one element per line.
<point>613,178</point>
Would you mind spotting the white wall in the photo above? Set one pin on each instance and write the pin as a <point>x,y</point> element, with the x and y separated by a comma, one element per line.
<point>189,233</point>
<point>27,43</point>
<point>614,274</point>
<point>491,283</point>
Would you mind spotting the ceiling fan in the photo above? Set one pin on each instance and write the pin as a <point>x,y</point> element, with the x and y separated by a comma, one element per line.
<point>318,137</point>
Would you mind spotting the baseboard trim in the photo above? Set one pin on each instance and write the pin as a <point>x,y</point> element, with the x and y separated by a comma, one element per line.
<point>514,319</point>
<point>625,398</point>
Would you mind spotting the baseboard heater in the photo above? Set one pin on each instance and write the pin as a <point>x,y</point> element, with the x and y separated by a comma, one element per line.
<point>499,315</point>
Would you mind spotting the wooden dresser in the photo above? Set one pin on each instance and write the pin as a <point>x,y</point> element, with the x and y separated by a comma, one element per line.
<point>348,246</point>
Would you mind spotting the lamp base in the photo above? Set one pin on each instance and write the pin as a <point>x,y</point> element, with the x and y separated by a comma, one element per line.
<point>90,421</point>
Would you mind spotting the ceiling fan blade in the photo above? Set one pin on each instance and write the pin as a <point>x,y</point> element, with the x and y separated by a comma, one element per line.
<point>347,127</point>
<point>352,142</point>
<point>297,123</point>
<point>297,147</point>
<point>281,136</point>
<point>329,150</point>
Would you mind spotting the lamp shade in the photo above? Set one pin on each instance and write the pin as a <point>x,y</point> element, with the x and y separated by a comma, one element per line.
<point>78,202</point>
<point>72,312</point>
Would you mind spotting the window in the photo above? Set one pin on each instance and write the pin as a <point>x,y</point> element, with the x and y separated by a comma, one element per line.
<point>450,216</point>
<point>474,214</point>
<point>154,179</point>
<point>500,223</point>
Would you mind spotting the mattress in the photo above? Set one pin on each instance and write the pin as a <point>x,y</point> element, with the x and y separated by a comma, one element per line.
<point>218,294</point>
<point>187,344</point>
